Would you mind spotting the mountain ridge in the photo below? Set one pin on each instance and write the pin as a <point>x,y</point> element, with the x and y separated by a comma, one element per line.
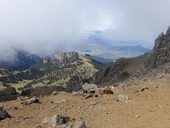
<point>143,67</point>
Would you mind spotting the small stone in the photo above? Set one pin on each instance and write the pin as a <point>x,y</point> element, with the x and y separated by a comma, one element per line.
<point>54,93</point>
<point>122,98</point>
<point>78,124</point>
<point>75,93</point>
<point>160,106</point>
<point>60,101</point>
<point>30,101</point>
<point>137,116</point>
<point>51,102</point>
<point>144,88</point>
<point>95,104</point>
<point>88,96</point>
<point>107,113</point>
<point>79,107</point>
<point>105,91</point>
<point>11,108</point>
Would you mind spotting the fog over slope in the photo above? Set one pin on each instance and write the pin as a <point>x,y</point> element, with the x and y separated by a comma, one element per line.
<point>42,26</point>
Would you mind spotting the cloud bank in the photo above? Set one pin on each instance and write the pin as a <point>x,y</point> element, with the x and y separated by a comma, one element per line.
<point>42,25</point>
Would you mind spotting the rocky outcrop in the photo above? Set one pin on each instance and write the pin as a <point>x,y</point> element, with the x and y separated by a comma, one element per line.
<point>8,93</point>
<point>160,53</point>
<point>63,58</point>
<point>74,84</point>
<point>3,114</point>
<point>140,67</point>
<point>4,71</point>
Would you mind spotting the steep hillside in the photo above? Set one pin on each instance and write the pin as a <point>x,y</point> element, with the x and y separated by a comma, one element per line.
<point>3,72</point>
<point>119,70</point>
<point>147,107</point>
<point>56,70</point>
<point>143,67</point>
<point>59,69</point>
<point>161,52</point>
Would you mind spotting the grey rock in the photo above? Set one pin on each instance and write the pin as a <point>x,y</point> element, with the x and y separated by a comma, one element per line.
<point>54,93</point>
<point>88,96</point>
<point>3,114</point>
<point>56,121</point>
<point>103,91</point>
<point>11,108</point>
<point>122,98</point>
<point>78,124</point>
<point>59,101</point>
<point>30,101</point>
<point>74,84</point>
<point>89,87</point>
<point>60,121</point>
<point>95,104</point>
<point>8,93</point>
<point>161,51</point>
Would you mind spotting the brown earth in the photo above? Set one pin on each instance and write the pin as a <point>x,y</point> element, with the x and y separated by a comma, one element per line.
<point>149,108</point>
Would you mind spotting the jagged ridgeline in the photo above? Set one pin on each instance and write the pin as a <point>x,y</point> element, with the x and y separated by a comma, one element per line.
<point>139,67</point>
<point>161,51</point>
<point>56,70</point>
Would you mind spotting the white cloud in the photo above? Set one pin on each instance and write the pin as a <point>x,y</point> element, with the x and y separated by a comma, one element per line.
<point>41,25</point>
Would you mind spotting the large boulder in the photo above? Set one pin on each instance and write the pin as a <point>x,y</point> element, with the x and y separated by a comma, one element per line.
<point>56,121</point>
<point>74,84</point>
<point>78,124</point>
<point>8,93</point>
<point>89,88</point>
<point>61,121</point>
<point>3,114</point>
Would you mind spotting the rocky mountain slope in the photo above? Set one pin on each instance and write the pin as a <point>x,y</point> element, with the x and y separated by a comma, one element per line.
<point>161,51</point>
<point>120,70</point>
<point>55,71</point>
<point>4,72</point>
<point>144,102</point>
<point>145,66</point>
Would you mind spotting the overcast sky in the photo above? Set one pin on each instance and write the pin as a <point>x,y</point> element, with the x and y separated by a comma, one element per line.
<point>42,24</point>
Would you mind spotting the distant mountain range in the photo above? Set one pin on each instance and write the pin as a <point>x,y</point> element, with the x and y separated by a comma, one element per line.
<point>98,52</point>
<point>105,54</point>
<point>137,49</point>
<point>106,51</point>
